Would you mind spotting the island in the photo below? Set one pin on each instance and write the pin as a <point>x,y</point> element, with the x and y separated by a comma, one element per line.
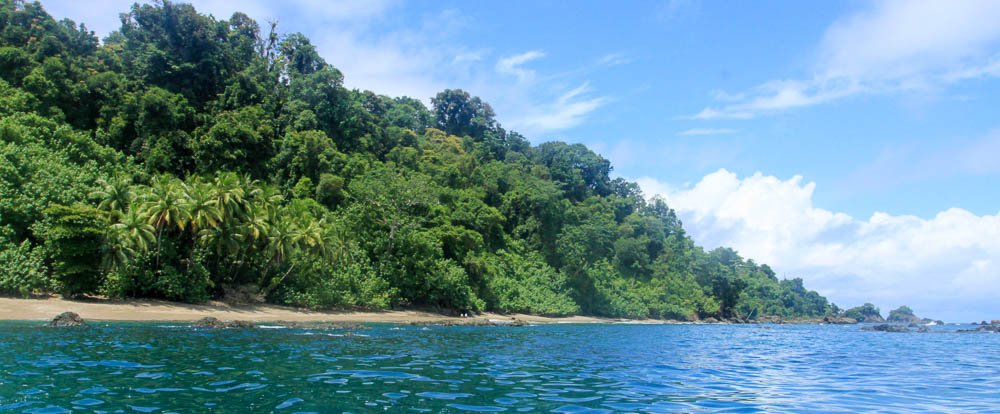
<point>188,158</point>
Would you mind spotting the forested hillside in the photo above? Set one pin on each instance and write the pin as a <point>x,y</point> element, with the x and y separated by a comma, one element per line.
<point>184,156</point>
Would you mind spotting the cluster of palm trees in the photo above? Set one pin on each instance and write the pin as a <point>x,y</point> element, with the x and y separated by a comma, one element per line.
<point>245,227</point>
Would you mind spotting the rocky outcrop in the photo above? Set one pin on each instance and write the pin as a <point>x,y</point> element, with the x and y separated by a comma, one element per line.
<point>904,314</point>
<point>66,320</point>
<point>989,328</point>
<point>839,320</point>
<point>473,322</point>
<point>886,328</point>
<point>322,325</point>
<point>215,323</point>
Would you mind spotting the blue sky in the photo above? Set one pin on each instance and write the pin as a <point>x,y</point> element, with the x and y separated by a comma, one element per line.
<point>853,143</point>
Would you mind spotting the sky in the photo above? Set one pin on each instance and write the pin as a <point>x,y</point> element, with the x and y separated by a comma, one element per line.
<point>853,144</point>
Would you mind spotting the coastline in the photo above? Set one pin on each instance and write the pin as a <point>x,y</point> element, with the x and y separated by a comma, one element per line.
<point>142,310</point>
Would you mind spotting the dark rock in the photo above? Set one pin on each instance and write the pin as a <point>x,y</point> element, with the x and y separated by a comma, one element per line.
<point>994,322</point>
<point>208,322</point>
<point>215,323</point>
<point>473,322</point>
<point>886,328</point>
<point>66,320</point>
<point>710,320</point>
<point>322,325</point>
<point>839,320</point>
<point>924,329</point>
<point>989,328</point>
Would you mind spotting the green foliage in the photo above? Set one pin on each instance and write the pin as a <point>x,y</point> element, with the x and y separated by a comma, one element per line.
<point>74,236</point>
<point>24,271</point>
<point>860,313</point>
<point>349,283</point>
<point>187,155</point>
<point>902,314</point>
<point>459,113</point>
<point>523,283</point>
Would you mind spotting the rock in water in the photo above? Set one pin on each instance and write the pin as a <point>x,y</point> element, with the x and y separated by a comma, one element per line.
<point>240,324</point>
<point>886,328</point>
<point>839,320</point>
<point>215,323</point>
<point>208,322</point>
<point>66,319</point>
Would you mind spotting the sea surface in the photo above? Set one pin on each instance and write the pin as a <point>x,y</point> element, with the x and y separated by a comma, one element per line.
<point>153,367</point>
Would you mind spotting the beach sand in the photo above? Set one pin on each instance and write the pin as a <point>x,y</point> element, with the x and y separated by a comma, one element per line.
<point>155,310</point>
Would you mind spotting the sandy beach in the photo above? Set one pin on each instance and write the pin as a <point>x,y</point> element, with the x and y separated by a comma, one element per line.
<point>155,310</point>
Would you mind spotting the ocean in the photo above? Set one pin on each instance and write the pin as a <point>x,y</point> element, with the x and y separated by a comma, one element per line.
<point>164,368</point>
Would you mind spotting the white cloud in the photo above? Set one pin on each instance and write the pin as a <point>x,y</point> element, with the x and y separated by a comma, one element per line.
<point>511,65</point>
<point>475,56</point>
<point>893,46</point>
<point>568,110</point>
<point>614,59</point>
<point>706,131</point>
<point>946,266</point>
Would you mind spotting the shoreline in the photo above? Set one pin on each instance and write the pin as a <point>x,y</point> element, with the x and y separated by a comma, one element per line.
<point>153,310</point>
<point>146,310</point>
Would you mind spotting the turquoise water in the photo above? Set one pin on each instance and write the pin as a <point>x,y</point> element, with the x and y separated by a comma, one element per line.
<point>132,367</point>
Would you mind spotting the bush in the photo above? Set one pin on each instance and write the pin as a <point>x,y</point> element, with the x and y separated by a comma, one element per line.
<point>190,286</point>
<point>73,238</point>
<point>448,287</point>
<point>525,283</point>
<point>319,284</point>
<point>22,269</point>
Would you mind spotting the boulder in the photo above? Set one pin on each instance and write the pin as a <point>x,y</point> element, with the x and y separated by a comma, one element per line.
<point>215,323</point>
<point>995,322</point>
<point>924,329</point>
<point>886,328</point>
<point>66,320</point>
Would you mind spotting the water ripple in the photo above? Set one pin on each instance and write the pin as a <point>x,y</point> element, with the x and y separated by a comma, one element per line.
<point>133,367</point>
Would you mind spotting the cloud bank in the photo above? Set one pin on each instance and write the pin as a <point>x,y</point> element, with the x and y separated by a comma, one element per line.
<point>946,266</point>
<point>894,46</point>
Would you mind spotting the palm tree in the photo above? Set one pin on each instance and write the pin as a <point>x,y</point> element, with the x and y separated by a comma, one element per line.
<point>254,231</point>
<point>281,243</point>
<point>229,189</point>
<point>127,238</point>
<point>201,207</point>
<point>114,196</point>
<point>163,206</point>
